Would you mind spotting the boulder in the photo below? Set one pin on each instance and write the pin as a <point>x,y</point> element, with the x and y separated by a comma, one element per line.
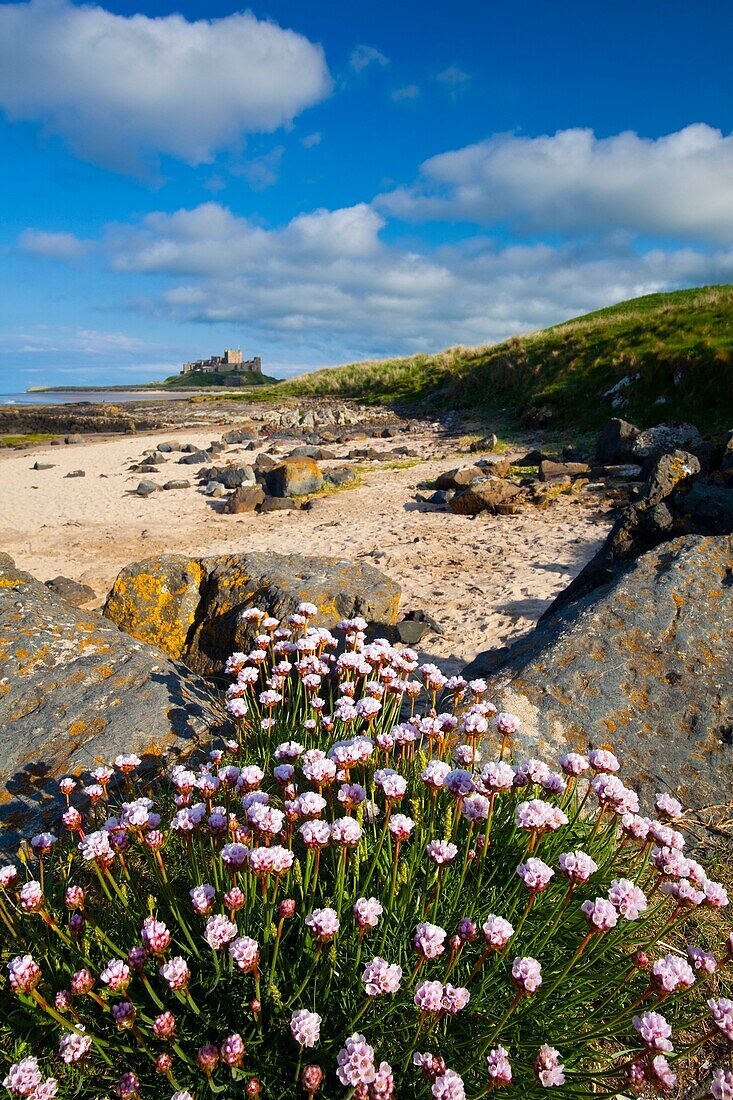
<point>484,496</point>
<point>76,473</point>
<point>43,466</point>
<point>615,444</point>
<point>145,488</point>
<point>553,471</point>
<point>494,465</point>
<point>231,477</point>
<point>156,600</point>
<point>321,454</point>
<point>241,435</point>
<point>194,458</point>
<point>193,608</point>
<point>247,498</point>
<point>643,664</point>
<point>295,477</point>
<point>459,478</point>
<point>74,439</point>
<point>264,463</point>
<point>664,438</point>
<point>179,483</point>
<point>74,692</point>
<point>486,443</point>
<point>278,504</point>
<point>74,592</point>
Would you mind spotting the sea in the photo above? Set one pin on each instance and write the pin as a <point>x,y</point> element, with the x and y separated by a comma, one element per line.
<point>94,397</point>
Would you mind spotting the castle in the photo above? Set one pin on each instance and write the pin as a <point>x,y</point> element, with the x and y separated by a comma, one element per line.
<point>231,362</point>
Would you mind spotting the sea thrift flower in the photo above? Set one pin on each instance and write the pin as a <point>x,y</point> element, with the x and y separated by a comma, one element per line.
<point>323,923</point>
<point>667,805</point>
<point>497,932</point>
<point>305,1027</point>
<point>400,826</point>
<point>81,982</point>
<point>127,1086</point>
<point>672,973</point>
<point>176,973</point>
<point>429,940</point>
<point>577,866</point>
<point>202,898</point>
<point>497,776</point>
<point>23,1077</point>
<point>702,961</point>
<point>429,996</point>
<point>311,1079</point>
<point>164,1026</point>
<point>124,1015</point>
<point>245,952</point>
<point>507,724</point>
<point>356,1062</point>
<point>601,760</point>
<point>367,912</point>
<point>219,931</point>
<point>527,974</point>
<point>232,1050</point>
<point>722,1012</point>
<point>629,899</point>
<point>500,1070</point>
<point>455,998</point>
<point>8,875</point>
<point>441,851</point>
<point>548,1067</point>
<point>346,831</point>
<point>600,914</point>
<point>449,1086</point>
<point>24,974</point>
<point>381,977</point>
<point>663,1075</point>
<point>116,975</point>
<point>207,1058</point>
<point>73,1047</point>
<point>722,1085</point>
<point>573,763</point>
<point>654,1030</point>
<point>31,897</point>
<point>716,895</point>
<point>535,874</point>
<point>155,936</point>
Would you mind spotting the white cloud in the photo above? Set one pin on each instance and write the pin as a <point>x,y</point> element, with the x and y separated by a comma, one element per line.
<point>409,92</point>
<point>678,185</point>
<point>263,171</point>
<point>453,76</point>
<point>123,90</point>
<point>327,287</point>
<point>361,57</point>
<point>311,140</point>
<point>53,246</point>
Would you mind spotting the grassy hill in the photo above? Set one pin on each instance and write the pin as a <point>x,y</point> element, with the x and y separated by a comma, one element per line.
<point>200,380</point>
<point>676,350</point>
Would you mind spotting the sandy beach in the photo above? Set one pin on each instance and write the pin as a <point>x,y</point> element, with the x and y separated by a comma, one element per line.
<point>486,580</point>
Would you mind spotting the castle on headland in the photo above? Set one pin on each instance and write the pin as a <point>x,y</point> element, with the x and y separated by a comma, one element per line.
<point>231,362</point>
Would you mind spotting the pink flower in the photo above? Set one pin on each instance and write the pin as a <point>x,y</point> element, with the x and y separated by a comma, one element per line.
<point>434,773</point>
<point>429,996</point>
<point>202,898</point>
<point>613,795</point>
<point>400,826</point>
<point>672,973</point>
<point>722,1013</point>
<point>73,1047</point>
<point>449,1086</point>
<point>155,936</point>
<point>548,1067</point>
<point>716,894</point>
<point>323,923</point>
<point>31,897</point>
<point>381,977</point>
<point>116,975</point>
<point>722,1085</point>
<point>232,1050</point>
<point>24,974</point>
<point>497,776</point>
<point>667,805</point>
<point>164,1026</point>
<point>459,783</point>
<point>539,815</point>
<point>455,998</point>
<point>176,973</point>
<point>8,875</point>
<point>441,851</point>
<point>429,940</point>
<point>305,1027</point>
<point>245,952</point>
<point>346,831</point>
<point>507,724</point>
<point>124,1015</point>
<point>219,931</point>
<point>662,1073</point>
<point>500,1070</point>
<point>577,866</point>
<point>628,898</point>
<point>382,1087</point>
<point>654,1030</point>
<point>600,914</point>
<point>356,1062</point>
<point>573,763</point>
<point>527,974</point>
<point>23,1077</point>
<point>81,982</point>
<point>497,932</point>
<point>127,1086</point>
<point>367,912</point>
<point>601,760</point>
<point>315,834</point>
<point>702,961</point>
<point>535,874</point>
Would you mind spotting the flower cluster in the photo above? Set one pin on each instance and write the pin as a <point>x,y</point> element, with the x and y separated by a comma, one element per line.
<point>358,890</point>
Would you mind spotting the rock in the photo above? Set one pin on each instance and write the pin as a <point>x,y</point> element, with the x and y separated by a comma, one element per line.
<point>74,692</point>
<point>626,472</point>
<point>706,508</point>
<point>278,504</point>
<point>231,477</point>
<point>340,475</point>
<point>215,489</point>
<point>180,483</point>
<point>486,443</point>
<point>415,625</point>
<point>43,466</point>
<point>190,448</point>
<point>441,498</point>
<point>295,477</point>
<point>321,454</point>
<point>145,488</point>
<point>615,444</point>
<point>532,458</point>
<point>74,439</point>
<point>668,474</point>
<point>726,462</point>
<point>247,498</point>
<point>194,458</point>
<point>241,435</point>
<point>156,458</point>
<point>168,446</point>
<point>552,471</point>
<point>641,663</point>
<point>76,473</point>
<point>216,446</point>
<point>72,591</point>
<point>665,438</point>
<point>145,596</point>
<point>459,478</point>
<point>484,496</point>
<point>494,466</point>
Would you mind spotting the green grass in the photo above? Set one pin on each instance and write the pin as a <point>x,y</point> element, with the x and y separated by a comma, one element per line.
<point>19,440</point>
<point>201,380</point>
<point>680,344</point>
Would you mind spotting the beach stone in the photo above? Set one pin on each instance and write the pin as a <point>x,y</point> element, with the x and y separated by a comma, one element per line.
<point>231,477</point>
<point>615,443</point>
<point>74,439</point>
<point>74,592</point>
<point>484,496</point>
<point>155,457</point>
<point>532,458</point>
<point>626,472</point>
<point>145,488</point>
<point>74,692</point>
<point>247,498</point>
<point>494,465</point>
<point>241,435</point>
<point>168,446</point>
<point>552,471</point>
<point>43,466</point>
<point>76,473</point>
<point>278,504</point>
<point>641,663</point>
<point>264,463</point>
<point>486,443</point>
<point>295,477</point>
<point>664,438</point>
<point>180,483</point>
<point>156,600</point>
<point>340,475</point>
<point>194,458</point>
<point>216,446</point>
<point>459,478</point>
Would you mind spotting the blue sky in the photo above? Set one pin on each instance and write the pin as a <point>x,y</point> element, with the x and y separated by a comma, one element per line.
<point>324,182</point>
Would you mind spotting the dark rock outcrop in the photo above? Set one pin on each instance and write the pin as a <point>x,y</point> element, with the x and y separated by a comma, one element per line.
<point>74,692</point>
<point>191,608</point>
<point>644,663</point>
<point>490,495</point>
<point>295,477</point>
